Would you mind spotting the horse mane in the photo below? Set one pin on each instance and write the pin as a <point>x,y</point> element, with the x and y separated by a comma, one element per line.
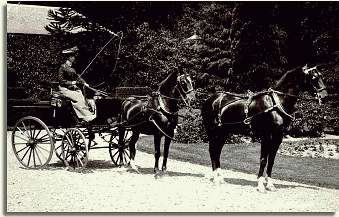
<point>287,76</point>
<point>168,83</point>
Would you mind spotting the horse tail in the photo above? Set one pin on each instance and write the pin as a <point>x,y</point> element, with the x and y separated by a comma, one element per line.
<point>124,108</point>
<point>208,113</point>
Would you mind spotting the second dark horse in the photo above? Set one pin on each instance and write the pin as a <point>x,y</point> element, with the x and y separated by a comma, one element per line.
<point>157,115</point>
<point>267,113</point>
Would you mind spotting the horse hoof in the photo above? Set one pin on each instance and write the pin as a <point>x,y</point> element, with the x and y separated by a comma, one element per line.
<point>218,181</point>
<point>134,167</point>
<point>157,176</point>
<point>271,188</point>
<point>262,190</point>
<point>165,174</point>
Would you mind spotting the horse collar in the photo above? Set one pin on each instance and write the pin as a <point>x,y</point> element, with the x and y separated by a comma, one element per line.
<point>279,105</point>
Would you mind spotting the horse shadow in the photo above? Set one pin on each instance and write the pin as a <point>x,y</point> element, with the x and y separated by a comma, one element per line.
<point>245,182</point>
<point>150,171</point>
<point>104,165</point>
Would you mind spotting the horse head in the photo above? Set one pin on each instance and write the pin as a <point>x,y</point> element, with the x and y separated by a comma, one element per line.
<point>314,83</point>
<point>186,88</point>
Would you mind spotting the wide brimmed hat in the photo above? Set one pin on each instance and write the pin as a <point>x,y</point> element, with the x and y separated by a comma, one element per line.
<point>72,50</point>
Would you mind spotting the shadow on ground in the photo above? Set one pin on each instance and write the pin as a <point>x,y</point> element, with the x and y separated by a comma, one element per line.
<point>92,165</point>
<point>150,171</point>
<point>244,182</point>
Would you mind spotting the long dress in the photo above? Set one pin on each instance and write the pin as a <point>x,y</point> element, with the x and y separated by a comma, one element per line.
<point>65,76</point>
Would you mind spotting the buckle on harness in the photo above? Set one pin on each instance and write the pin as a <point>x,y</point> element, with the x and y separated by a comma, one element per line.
<point>247,121</point>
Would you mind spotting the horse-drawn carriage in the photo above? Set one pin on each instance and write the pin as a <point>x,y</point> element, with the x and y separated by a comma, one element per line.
<point>266,113</point>
<point>35,140</point>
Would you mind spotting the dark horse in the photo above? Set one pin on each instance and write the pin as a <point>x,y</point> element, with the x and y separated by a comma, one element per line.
<point>265,114</point>
<point>157,114</point>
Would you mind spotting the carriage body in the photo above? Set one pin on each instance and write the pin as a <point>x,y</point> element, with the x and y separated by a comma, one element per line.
<point>40,128</point>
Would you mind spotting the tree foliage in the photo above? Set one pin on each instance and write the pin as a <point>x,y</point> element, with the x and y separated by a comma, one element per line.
<point>241,45</point>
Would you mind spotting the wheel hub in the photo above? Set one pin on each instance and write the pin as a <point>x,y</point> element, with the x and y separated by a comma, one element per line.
<point>32,142</point>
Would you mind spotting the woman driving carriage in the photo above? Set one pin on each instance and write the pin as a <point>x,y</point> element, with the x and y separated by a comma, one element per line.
<point>68,79</point>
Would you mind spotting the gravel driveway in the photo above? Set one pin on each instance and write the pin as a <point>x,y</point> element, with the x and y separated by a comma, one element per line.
<point>106,188</point>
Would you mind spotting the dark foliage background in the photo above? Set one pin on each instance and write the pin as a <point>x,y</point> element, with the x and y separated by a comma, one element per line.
<point>237,50</point>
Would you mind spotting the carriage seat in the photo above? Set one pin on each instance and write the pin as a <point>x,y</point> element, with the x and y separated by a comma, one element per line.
<point>57,99</point>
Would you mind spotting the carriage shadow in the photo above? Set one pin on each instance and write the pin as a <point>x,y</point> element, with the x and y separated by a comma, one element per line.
<point>244,182</point>
<point>92,165</point>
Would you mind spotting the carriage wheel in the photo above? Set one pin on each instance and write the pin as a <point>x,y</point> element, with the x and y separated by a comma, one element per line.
<point>120,154</point>
<point>32,142</point>
<point>74,149</point>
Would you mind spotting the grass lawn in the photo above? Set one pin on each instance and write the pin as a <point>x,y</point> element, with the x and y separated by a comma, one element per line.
<point>245,158</point>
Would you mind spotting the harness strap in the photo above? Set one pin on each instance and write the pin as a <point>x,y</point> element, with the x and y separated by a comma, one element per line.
<point>250,95</point>
<point>153,121</point>
<point>279,106</point>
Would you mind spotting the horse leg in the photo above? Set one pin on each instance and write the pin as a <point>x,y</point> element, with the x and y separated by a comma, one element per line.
<point>263,161</point>
<point>215,146</point>
<point>166,148</point>
<point>157,140</point>
<point>277,139</point>
<point>132,150</point>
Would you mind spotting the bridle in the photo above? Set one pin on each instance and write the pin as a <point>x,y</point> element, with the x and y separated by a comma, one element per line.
<point>184,77</point>
<point>315,75</point>
<point>181,90</point>
<point>162,107</point>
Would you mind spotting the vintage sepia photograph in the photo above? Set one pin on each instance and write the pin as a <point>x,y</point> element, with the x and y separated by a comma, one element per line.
<point>171,108</point>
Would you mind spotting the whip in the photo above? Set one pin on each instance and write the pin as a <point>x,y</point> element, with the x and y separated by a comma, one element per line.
<point>96,56</point>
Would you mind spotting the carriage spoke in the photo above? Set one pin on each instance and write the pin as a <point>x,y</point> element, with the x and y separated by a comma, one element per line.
<point>33,151</point>
<point>30,129</point>
<point>79,157</point>
<point>124,158</point>
<point>20,143</point>
<point>115,154</point>
<point>21,137</point>
<point>44,138</point>
<point>22,149</point>
<point>127,154</point>
<point>38,150</point>
<point>28,148</point>
<point>58,146</point>
<point>42,148</point>
<point>38,134</point>
<point>22,133</point>
<point>25,128</point>
<point>30,155</point>
<point>121,159</point>
<point>68,154</point>
<point>118,160</point>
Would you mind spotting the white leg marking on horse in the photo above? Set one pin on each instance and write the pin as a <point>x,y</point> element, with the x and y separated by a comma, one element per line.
<point>217,177</point>
<point>261,187</point>
<point>133,166</point>
<point>270,185</point>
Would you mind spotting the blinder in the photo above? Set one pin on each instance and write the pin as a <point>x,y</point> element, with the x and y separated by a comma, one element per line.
<point>315,74</point>
<point>187,80</point>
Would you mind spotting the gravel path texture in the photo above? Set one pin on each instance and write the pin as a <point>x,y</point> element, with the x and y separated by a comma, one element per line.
<point>106,188</point>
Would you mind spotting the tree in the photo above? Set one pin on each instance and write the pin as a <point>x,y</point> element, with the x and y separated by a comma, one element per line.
<point>66,20</point>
